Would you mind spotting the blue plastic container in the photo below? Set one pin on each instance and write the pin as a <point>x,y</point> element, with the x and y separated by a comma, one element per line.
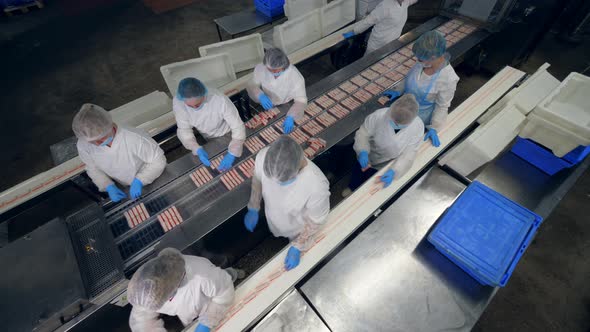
<point>541,157</point>
<point>485,234</point>
<point>270,8</point>
<point>12,3</point>
<point>578,154</point>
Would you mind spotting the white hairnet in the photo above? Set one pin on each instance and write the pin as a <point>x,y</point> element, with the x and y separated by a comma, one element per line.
<point>92,122</point>
<point>275,58</point>
<point>283,159</point>
<point>155,282</point>
<point>405,109</point>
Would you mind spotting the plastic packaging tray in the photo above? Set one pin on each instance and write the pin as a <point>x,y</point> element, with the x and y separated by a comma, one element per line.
<point>296,8</point>
<point>298,33</point>
<point>215,71</point>
<point>336,15</point>
<point>543,159</point>
<point>245,52</point>
<point>485,234</point>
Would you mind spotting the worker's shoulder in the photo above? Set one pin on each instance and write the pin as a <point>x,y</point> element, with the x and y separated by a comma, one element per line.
<point>449,74</point>
<point>197,266</point>
<point>377,115</point>
<point>295,72</point>
<point>315,174</point>
<point>417,126</point>
<point>261,155</point>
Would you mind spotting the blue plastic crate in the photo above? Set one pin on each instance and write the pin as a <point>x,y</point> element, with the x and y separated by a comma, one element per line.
<point>578,154</point>
<point>539,156</point>
<point>485,234</point>
<point>272,3</point>
<point>269,8</point>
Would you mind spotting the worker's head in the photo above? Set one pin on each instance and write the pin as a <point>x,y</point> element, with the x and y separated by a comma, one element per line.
<point>157,280</point>
<point>403,111</point>
<point>93,124</point>
<point>276,61</point>
<point>283,160</point>
<point>192,91</point>
<point>430,48</point>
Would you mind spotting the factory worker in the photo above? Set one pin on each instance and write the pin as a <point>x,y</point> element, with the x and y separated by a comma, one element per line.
<point>433,81</point>
<point>296,196</point>
<point>113,153</point>
<point>393,133</point>
<point>387,19</point>
<point>213,115</point>
<point>276,82</point>
<point>174,284</point>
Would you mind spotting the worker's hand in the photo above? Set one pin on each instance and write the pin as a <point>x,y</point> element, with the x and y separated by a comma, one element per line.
<point>202,328</point>
<point>292,259</point>
<point>135,190</point>
<point>115,193</point>
<point>265,101</point>
<point>433,136</point>
<point>391,94</point>
<point>203,156</point>
<point>363,159</point>
<point>251,219</point>
<point>387,178</point>
<point>227,162</point>
<point>289,124</point>
<point>348,34</point>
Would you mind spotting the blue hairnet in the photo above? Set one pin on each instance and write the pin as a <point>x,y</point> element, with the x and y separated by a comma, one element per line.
<point>430,45</point>
<point>275,58</point>
<point>190,87</point>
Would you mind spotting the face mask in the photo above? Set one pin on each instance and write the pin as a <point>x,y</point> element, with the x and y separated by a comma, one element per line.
<point>278,74</point>
<point>107,141</point>
<point>396,126</point>
<point>195,108</point>
<point>288,182</point>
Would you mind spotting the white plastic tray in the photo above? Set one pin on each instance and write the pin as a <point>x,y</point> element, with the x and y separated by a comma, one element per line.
<point>298,33</point>
<point>296,8</point>
<point>245,52</point>
<point>142,110</point>
<point>336,15</point>
<point>214,71</point>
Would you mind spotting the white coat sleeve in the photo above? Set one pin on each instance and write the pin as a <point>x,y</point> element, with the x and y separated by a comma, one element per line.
<point>256,191</point>
<point>185,129</point>
<point>299,98</point>
<point>253,87</point>
<point>100,178</point>
<point>375,16</point>
<point>412,2</point>
<point>238,130</point>
<point>404,162</point>
<point>154,161</point>
<point>363,136</point>
<point>142,320</point>
<point>221,292</point>
<point>442,101</point>
<point>315,215</point>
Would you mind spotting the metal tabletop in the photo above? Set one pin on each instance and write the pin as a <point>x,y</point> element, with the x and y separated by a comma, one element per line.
<point>243,22</point>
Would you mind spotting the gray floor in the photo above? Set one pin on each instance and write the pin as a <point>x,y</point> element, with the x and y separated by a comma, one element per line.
<point>113,56</point>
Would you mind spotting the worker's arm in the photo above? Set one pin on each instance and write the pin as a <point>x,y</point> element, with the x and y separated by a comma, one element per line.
<point>411,2</point>
<point>255,193</point>
<point>403,163</point>
<point>100,178</point>
<point>362,138</point>
<point>442,101</point>
<point>253,87</point>
<point>185,129</point>
<point>299,98</point>
<point>238,130</point>
<point>153,158</point>
<point>315,215</point>
<point>375,16</point>
<point>142,320</point>
<point>221,292</point>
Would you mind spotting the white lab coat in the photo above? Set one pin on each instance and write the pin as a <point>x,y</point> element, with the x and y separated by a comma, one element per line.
<point>388,20</point>
<point>217,117</point>
<point>441,93</point>
<point>205,292</point>
<point>298,209</point>
<point>132,154</point>
<point>377,136</point>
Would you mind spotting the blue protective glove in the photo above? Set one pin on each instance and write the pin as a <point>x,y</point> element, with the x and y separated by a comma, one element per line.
<point>202,328</point>
<point>433,135</point>
<point>387,178</point>
<point>292,259</point>
<point>265,101</point>
<point>363,159</point>
<point>251,219</point>
<point>391,94</point>
<point>226,162</point>
<point>135,190</point>
<point>348,34</point>
<point>203,156</point>
<point>115,193</point>
<point>288,125</point>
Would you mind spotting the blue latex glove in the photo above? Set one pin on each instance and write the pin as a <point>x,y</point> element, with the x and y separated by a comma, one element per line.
<point>387,178</point>
<point>363,159</point>
<point>433,135</point>
<point>226,162</point>
<point>202,328</point>
<point>391,94</point>
<point>135,190</point>
<point>251,219</point>
<point>348,34</point>
<point>265,101</point>
<point>203,156</point>
<point>292,259</point>
<point>115,193</point>
<point>288,125</point>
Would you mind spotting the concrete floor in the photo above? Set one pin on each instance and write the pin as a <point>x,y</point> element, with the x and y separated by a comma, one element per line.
<point>113,56</point>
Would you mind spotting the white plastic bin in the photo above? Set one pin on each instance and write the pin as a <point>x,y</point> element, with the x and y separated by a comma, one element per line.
<point>245,52</point>
<point>336,15</point>
<point>296,8</point>
<point>215,71</point>
<point>142,110</point>
<point>298,33</point>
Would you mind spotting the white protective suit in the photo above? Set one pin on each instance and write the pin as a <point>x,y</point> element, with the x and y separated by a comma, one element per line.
<point>205,292</point>
<point>296,210</point>
<point>217,117</point>
<point>378,137</point>
<point>290,86</point>
<point>132,154</point>
<point>441,93</point>
<point>388,20</point>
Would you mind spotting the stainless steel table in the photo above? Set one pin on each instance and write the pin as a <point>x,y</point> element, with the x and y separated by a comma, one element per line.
<point>243,22</point>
